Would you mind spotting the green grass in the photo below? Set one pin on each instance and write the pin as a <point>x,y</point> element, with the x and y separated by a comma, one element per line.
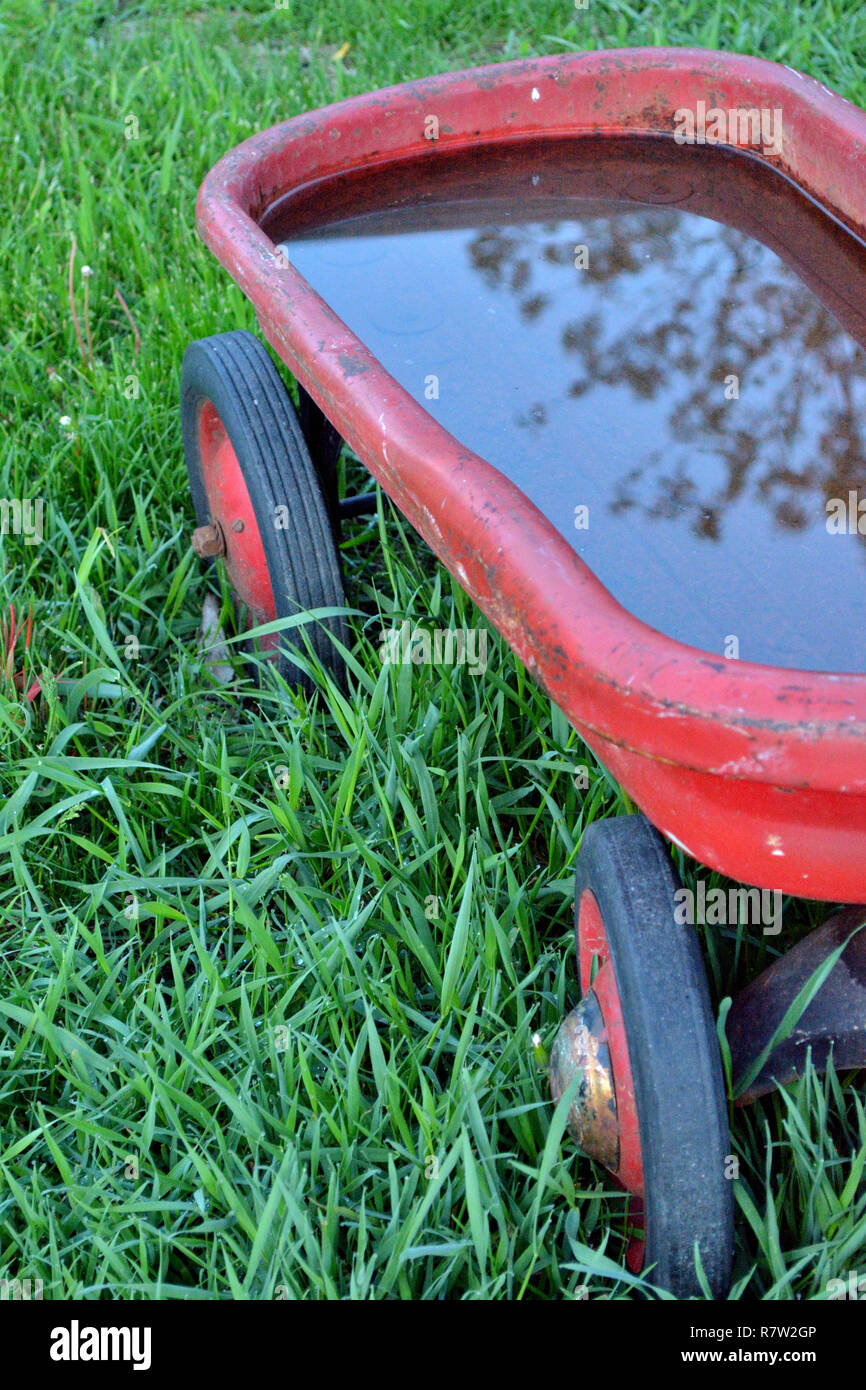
<point>240,1055</point>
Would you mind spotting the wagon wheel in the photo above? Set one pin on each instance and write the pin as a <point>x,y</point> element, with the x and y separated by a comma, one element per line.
<point>651,1104</point>
<point>257,498</point>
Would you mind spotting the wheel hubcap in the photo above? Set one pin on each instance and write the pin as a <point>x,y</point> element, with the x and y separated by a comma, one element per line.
<point>580,1048</point>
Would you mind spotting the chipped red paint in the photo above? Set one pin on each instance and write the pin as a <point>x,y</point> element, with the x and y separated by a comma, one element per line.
<point>759,772</point>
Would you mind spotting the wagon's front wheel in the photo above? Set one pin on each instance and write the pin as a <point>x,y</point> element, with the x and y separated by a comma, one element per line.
<point>257,497</point>
<point>650,1102</point>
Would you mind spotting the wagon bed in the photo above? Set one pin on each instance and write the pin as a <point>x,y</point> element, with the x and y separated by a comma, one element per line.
<point>757,770</point>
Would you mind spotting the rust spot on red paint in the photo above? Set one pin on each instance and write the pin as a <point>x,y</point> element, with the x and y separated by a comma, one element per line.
<point>352,366</point>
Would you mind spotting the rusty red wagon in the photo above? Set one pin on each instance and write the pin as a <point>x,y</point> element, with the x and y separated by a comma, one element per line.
<point>563,311</point>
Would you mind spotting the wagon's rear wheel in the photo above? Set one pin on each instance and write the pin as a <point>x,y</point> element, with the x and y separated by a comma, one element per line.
<point>257,497</point>
<point>651,1102</point>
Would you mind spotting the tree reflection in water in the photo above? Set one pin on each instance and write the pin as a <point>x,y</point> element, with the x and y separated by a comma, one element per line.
<point>603,391</point>
<point>786,439</point>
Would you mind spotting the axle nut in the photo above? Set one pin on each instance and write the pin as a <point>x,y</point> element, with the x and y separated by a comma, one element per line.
<point>209,540</point>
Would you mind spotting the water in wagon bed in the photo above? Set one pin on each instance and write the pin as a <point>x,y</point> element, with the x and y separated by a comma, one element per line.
<point>605,322</point>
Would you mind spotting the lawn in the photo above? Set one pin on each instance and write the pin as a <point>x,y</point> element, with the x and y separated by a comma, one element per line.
<point>270,968</point>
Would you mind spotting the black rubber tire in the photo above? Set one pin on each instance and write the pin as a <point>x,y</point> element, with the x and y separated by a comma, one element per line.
<point>673,1050</point>
<point>235,373</point>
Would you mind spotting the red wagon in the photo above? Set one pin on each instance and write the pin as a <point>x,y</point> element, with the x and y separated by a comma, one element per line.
<point>491,285</point>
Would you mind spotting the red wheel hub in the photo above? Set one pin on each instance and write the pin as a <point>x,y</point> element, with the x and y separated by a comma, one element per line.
<point>593,945</point>
<point>231,509</point>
